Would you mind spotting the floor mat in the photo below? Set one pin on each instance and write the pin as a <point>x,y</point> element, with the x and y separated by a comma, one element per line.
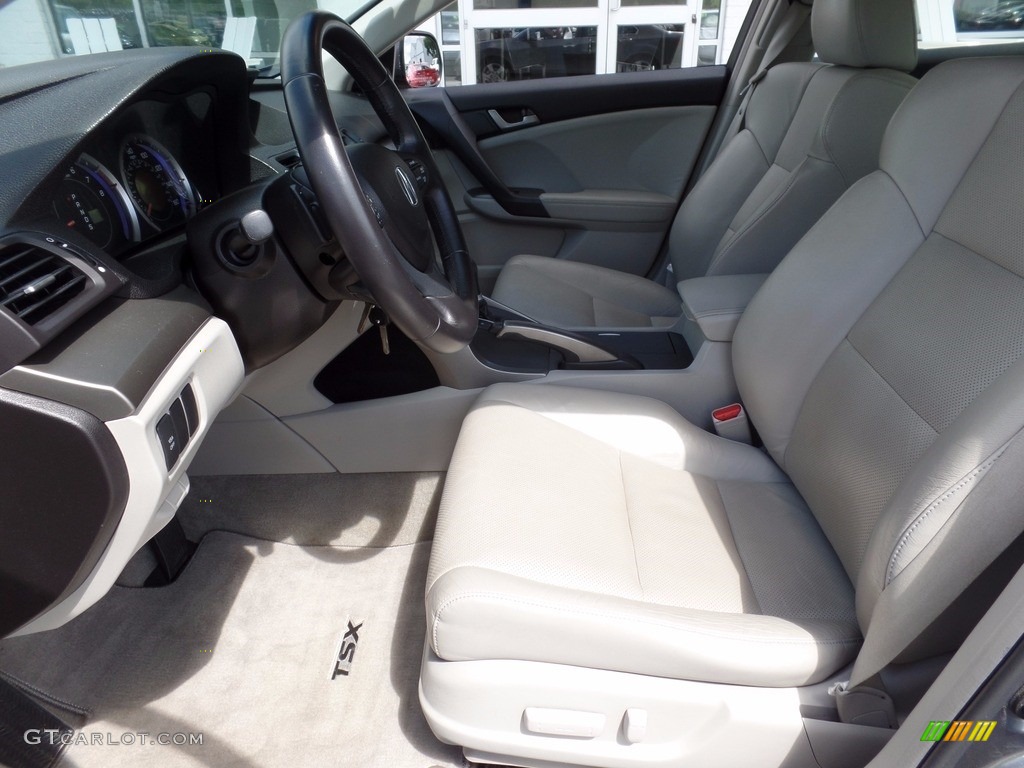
<point>242,649</point>
<point>382,509</point>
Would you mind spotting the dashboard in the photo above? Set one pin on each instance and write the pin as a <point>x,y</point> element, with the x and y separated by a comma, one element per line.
<point>131,303</point>
<point>113,365</point>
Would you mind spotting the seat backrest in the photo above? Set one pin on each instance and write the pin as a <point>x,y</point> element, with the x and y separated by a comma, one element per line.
<point>883,361</point>
<point>810,131</point>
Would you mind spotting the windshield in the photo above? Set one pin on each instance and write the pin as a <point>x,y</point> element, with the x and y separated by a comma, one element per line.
<point>37,30</point>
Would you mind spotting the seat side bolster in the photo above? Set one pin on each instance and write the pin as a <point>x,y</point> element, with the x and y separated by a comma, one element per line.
<point>477,613</point>
<point>951,469</point>
<point>797,320</point>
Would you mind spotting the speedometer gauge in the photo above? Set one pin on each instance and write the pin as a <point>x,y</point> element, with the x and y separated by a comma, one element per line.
<point>156,184</point>
<point>91,201</point>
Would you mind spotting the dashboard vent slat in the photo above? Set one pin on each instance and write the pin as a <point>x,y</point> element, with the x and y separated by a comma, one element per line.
<point>35,283</point>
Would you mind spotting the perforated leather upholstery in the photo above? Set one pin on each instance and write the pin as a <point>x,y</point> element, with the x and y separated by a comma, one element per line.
<point>811,130</point>
<point>882,364</point>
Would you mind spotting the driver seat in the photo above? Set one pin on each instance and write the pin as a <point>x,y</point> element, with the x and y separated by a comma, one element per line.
<point>811,130</point>
<point>610,585</point>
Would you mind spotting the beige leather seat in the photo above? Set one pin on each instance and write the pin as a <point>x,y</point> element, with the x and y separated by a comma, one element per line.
<point>598,555</point>
<point>811,130</point>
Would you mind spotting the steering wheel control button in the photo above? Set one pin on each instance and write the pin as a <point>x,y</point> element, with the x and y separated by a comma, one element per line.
<point>419,171</point>
<point>170,442</point>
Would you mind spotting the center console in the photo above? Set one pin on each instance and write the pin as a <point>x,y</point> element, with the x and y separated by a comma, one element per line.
<point>687,365</point>
<point>712,307</point>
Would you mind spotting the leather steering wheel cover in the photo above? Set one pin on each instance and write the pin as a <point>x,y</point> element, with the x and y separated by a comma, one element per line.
<point>425,307</point>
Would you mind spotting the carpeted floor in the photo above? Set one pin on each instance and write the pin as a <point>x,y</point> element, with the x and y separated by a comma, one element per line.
<point>242,648</point>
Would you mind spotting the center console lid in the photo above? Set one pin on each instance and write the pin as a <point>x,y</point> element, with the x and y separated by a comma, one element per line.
<point>716,303</point>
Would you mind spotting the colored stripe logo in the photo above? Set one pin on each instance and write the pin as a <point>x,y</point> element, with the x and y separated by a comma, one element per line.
<point>958,730</point>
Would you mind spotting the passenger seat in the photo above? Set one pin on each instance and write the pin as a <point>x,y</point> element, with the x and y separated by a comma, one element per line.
<point>811,129</point>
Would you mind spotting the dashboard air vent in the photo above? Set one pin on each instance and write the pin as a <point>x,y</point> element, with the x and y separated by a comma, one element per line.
<point>35,283</point>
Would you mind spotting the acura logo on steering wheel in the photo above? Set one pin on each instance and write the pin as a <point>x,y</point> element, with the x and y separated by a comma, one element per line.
<point>407,186</point>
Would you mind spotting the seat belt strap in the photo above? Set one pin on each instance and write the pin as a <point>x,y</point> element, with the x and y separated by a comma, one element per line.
<point>981,528</point>
<point>791,24</point>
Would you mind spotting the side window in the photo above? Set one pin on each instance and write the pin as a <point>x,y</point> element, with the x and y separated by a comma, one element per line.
<point>489,41</point>
<point>945,23</point>
<point>486,41</point>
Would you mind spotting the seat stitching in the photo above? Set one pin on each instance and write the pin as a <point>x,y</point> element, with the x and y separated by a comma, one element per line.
<point>629,524</point>
<point>846,339</point>
<point>910,207</point>
<point>967,168</point>
<point>979,254</point>
<point>887,383</point>
<point>17,682</point>
<point>736,546</point>
<point>861,38</point>
<point>746,228</point>
<point>919,520</point>
<point>723,311</point>
<point>601,615</point>
<point>832,107</point>
<point>792,117</point>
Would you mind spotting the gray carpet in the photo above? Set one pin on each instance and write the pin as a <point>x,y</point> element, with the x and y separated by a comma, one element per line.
<point>242,647</point>
<point>356,510</point>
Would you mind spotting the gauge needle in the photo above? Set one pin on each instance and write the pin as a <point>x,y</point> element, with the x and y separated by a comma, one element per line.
<point>71,223</point>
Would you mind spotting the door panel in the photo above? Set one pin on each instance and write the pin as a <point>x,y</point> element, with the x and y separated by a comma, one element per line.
<point>649,150</point>
<point>586,168</point>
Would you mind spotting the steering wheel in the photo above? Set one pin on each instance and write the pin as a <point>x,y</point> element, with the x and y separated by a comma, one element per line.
<point>388,208</point>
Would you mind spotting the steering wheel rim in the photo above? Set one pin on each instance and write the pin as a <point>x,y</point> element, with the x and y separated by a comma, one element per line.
<point>371,209</point>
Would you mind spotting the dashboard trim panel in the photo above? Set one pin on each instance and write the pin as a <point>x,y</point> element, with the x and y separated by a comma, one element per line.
<point>211,363</point>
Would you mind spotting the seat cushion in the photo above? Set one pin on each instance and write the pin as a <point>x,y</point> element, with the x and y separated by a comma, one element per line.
<point>569,294</point>
<point>605,531</point>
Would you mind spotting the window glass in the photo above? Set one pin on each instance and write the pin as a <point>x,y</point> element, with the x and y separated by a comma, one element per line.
<point>35,30</point>
<point>449,23</point>
<point>945,23</point>
<point>452,67</point>
<point>502,40</point>
<point>1002,18</point>
<point>521,5</point>
<point>530,53</point>
<point>648,46</point>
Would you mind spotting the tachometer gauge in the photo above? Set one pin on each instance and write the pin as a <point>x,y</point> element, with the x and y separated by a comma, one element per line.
<point>156,184</point>
<point>91,201</point>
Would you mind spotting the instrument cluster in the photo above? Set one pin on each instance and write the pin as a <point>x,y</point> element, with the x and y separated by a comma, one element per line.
<point>129,185</point>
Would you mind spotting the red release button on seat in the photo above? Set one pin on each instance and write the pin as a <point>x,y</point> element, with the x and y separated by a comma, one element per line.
<point>727,412</point>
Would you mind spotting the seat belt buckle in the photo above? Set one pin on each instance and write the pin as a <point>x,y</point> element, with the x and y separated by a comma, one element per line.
<point>730,422</point>
<point>864,705</point>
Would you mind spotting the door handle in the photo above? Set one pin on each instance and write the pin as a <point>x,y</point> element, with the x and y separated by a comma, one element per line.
<point>528,119</point>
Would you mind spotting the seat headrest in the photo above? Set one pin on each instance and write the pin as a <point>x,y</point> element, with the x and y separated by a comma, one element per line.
<point>865,33</point>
